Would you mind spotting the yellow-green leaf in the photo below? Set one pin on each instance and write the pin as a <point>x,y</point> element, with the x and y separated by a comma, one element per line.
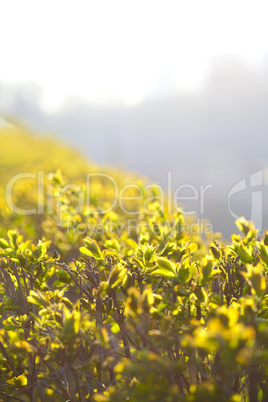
<point>164,268</point>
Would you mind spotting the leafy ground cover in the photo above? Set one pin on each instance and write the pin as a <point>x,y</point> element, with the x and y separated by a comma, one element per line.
<point>147,312</point>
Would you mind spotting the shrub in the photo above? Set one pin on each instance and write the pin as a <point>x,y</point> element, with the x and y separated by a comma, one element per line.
<point>135,321</point>
<point>155,313</point>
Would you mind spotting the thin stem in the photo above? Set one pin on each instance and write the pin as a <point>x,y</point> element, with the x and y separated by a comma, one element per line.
<point>8,359</point>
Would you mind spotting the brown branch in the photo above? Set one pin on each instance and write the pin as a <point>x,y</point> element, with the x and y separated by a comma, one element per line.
<point>22,298</point>
<point>8,359</point>
<point>120,319</point>
<point>10,286</point>
<point>64,391</point>
<point>11,397</point>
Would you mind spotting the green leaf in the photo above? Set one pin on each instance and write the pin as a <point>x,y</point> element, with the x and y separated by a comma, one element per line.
<point>165,268</point>
<point>192,247</point>
<point>35,317</point>
<point>113,244</point>
<point>258,280</point>
<point>201,294</point>
<point>139,262</point>
<point>244,254</point>
<point>131,243</point>
<point>216,252</point>
<point>244,225</point>
<point>4,244</point>
<point>263,252</point>
<point>41,249</point>
<point>13,237</point>
<point>186,272</point>
<point>207,265</point>
<point>85,304</point>
<point>117,275</point>
<point>67,302</point>
<point>92,249</point>
<point>37,299</point>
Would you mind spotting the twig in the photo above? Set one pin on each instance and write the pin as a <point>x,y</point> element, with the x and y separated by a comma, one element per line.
<point>120,318</point>
<point>64,391</point>
<point>8,359</point>
<point>11,397</point>
<point>20,288</point>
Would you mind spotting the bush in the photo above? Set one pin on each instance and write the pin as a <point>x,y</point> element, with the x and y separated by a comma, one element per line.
<point>155,313</point>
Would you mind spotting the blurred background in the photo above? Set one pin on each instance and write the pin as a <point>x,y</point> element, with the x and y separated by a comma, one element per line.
<point>175,90</point>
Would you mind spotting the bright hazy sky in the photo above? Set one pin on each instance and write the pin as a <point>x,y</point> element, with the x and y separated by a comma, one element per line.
<point>124,51</point>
